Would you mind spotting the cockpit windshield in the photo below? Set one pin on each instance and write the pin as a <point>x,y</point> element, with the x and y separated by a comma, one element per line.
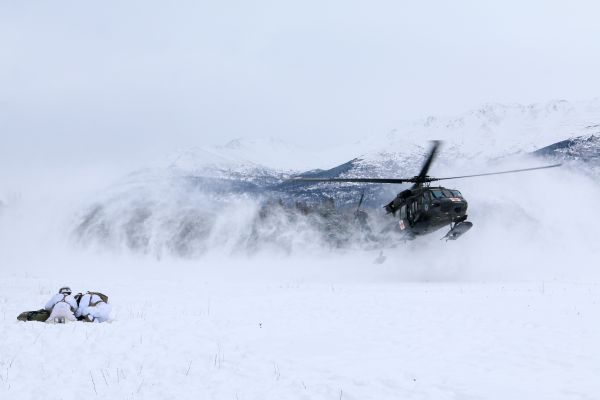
<point>440,193</point>
<point>437,193</point>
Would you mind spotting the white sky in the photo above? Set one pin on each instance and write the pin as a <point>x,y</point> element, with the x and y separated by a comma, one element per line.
<point>111,81</point>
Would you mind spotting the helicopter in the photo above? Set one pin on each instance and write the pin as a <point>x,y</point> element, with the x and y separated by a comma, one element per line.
<point>424,208</point>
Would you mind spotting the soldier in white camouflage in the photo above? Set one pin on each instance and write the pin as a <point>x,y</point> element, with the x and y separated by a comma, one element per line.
<point>62,306</point>
<point>93,307</point>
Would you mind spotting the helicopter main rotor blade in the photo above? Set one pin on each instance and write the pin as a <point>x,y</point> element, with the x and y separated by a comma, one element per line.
<point>362,196</point>
<point>358,180</point>
<point>494,173</point>
<point>416,179</point>
<point>422,177</point>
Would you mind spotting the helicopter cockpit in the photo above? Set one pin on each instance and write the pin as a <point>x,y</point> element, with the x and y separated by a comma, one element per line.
<point>430,202</point>
<point>439,193</point>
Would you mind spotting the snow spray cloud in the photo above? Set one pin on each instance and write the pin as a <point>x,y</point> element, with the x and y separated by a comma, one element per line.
<point>524,225</point>
<point>173,215</point>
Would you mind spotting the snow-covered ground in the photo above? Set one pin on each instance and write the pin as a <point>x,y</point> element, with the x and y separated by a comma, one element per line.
<point>299,329</point>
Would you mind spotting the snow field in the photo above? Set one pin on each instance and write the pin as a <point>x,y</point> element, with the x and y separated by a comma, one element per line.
<point>230,335</point>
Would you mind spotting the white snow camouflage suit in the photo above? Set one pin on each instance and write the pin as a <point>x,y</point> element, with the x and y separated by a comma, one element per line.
<point>93,308</point>
<point>62,305</point>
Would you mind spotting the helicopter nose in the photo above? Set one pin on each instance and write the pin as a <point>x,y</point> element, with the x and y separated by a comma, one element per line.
<point>454,206</point>
<point>445,206</point>
<point>460,207</point>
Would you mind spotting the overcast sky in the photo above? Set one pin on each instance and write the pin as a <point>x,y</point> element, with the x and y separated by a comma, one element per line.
<point>94,81</point>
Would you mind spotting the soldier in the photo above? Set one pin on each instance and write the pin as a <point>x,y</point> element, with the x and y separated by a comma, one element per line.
<point>62,306</point>
<point>93,307</point>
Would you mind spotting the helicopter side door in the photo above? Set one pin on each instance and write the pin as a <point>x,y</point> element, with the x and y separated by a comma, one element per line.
<point>413,211</point>
<point>425,202</point>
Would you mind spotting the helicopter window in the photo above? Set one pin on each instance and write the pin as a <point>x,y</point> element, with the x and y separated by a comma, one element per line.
<point>447,193</point>
<point>436,193</point>
<point>456,193</point>
<point>403,212</point>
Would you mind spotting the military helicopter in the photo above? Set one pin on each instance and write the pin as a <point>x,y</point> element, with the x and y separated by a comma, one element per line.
<point>424,208</point>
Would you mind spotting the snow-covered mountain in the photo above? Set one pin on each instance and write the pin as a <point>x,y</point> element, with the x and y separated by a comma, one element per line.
<point>214,164</point>
<point>491,132</point>
<point>582,152</point>
<point>271,152</point>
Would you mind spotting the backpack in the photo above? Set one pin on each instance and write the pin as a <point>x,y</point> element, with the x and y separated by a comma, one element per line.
<point>103,298</point>
<point>39,315</point>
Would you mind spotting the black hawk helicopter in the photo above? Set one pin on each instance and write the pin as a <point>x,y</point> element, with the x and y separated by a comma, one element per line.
<point>424,208</point>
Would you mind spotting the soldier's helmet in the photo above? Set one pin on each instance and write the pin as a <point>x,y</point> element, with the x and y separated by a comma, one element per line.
<point>65,290</point>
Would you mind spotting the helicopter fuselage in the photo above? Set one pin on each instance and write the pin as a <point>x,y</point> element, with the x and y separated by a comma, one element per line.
<point>426,209</point>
